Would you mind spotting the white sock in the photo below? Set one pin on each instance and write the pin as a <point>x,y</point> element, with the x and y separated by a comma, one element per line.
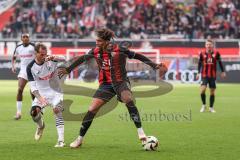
<point>60,126</point>
<point>140,131</point>
<point>19,107</point>
<point>60,130</point>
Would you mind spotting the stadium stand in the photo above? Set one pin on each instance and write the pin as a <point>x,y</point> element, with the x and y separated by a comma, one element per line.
<point>128,18</point>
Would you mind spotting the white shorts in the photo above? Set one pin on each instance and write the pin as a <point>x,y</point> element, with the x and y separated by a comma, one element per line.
<point>54,100</point>
<point>23,73</point>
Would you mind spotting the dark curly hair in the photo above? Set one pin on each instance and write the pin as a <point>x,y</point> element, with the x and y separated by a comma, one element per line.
<point>105,34</point>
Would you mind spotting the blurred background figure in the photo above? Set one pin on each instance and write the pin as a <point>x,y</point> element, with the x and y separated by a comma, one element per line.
<point>26,53</point>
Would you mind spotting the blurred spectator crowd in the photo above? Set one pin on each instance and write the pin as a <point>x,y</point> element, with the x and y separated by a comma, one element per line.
<point>134,19</point>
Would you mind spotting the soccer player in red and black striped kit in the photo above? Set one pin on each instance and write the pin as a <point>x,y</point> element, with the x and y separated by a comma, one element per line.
<point>111,60</point>
<point>207,66</point>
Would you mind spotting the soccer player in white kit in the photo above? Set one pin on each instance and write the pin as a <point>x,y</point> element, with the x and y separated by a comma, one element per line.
<point>41,72</point>
<point>26,53</point>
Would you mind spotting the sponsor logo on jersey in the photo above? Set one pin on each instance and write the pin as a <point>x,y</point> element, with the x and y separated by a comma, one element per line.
<point>26,55</point>
<point>47,77</point>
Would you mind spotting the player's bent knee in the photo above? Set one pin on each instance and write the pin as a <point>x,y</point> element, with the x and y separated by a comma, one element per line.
<point>126,97</point>
<point>212,92</point>
<point>35,110</point>
<point>94,109</point>
<point>36,113</point>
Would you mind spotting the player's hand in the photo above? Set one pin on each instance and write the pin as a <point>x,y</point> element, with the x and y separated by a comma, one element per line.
<point>197,76</point>
<point>161,66</point>
<point>49,58</point>
<point>162,69</point>
<point>62,72</point>
<point>13,70</point>
<point>223,74</point>
<point>43,101</point>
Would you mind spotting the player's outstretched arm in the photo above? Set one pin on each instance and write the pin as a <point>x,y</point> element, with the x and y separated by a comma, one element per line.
<point>62,72</point>
<point>80,60</point>
<point>55,58</point>
<point>146,60</point>
<point>162,67</point>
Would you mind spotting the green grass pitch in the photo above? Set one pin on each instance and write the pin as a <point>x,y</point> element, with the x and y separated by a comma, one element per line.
<point>192,135</point>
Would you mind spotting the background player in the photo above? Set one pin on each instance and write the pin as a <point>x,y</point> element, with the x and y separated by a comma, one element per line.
<point>111,60</point>
<point>26,53</point>
<point>41,72</point>
<point>207,66</point>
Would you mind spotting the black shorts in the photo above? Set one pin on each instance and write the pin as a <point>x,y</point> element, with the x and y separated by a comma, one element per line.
<point>107,91</point>
<point>211,82</point>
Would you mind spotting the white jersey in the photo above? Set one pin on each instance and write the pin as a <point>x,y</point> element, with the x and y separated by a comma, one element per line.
<point>25,53</point>
<point>43,78</point>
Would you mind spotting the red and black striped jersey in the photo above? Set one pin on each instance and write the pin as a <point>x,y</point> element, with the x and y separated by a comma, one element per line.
<point>207,64</point>
<point>111,64</point>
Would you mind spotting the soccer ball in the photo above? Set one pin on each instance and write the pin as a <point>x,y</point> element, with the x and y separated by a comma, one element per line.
<point>151,144</point>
